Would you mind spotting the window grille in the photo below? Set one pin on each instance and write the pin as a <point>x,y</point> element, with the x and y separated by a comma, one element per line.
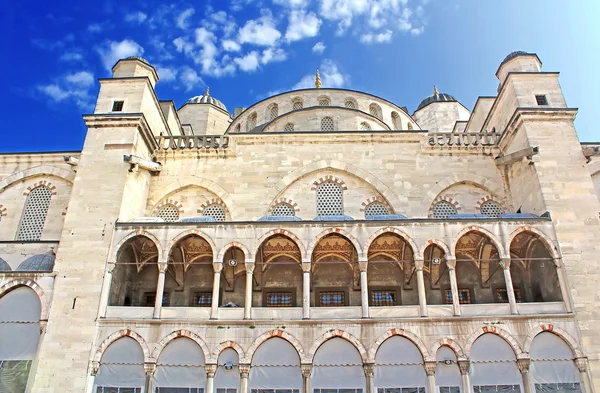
<point>329,199</point>
<point>214,211</point>
<point>279,299</point>
<point>376,209</point>
<point>491,209</point>
<point>331,299</point>
<point>203,299</point>
<point>396,121</point>
<point>415,389</point>
<point>298,104</point>
<point>541,100</point>
<point>443,209</point>
<point>383,298</point>
<point>324,101</point>
<point>365,126</point>
<point>114,389</point>
<point>502,295</point>
<point>497,389</point>
<point>289,127</point>
<point>251,124</point>
<point>449,389</point>
<point>350,104</point>
<point>34,214</point>
<point>327,124</point>
<point>375,110</point>
<point>283,210</point>
<point>169,213</point>
<point>573,387</point>
<point>464,296</point>
<point>117,106</point>
<point>273,111</point>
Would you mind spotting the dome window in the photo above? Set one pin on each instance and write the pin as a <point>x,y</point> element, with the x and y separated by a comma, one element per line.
<point>409,126</point>
<point>350,103</point>
<point>324,101</point>
<point>289,127</point>
<point>364,126</point>
<point>376,209</point>
<point>238,128</point>
<point>215,211</point>
<point>375,110</point>
<point>283,210</point>
<point>329,199</point>
<point>273,111</point>
<point>327,124</point>
<point>396,121</point>
<point>491,209</point>
<point>251,124</point>
<point>443,209</point>
<point>34,214</point>
<point>298,104</point>
<point>169,213</point>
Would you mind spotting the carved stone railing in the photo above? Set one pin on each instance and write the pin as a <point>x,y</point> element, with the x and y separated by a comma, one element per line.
<point>180,142</point>
<point>462,139</point>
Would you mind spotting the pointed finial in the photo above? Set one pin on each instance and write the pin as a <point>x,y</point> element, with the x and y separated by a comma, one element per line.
<point>207,91</point>
<point>318,80</point>
<point>435,90</point>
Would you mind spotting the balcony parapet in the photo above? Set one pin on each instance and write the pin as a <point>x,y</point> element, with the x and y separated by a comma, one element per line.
<point>470,140</point>
<point>181,142</point>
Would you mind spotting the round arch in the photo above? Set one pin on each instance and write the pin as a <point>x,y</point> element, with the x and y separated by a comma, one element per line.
<point>450,343</point>
<point>337,333</point>
<point>272,334</point>
<point>566,337</point>
<point>438,243</point>
<point>249,256</point>
<point>223,346</point>
<point>22,282</point>
<point>541,236</point>
<point>399,232</point>
<point>493,238</point>
<point>499,332</point>
<point>120,334</point>
<point>286,233</point>
<point>336,231</point>
<point>139,232</point>
<point>182,333</point>
<point>41,170</point>
<point>397,332</point>
<point>192,232</point>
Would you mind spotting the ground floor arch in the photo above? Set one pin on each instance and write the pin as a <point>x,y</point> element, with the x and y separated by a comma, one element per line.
<point>275,366</point>
<point>494,366</point>
<point>399,365</point>
<point>121,368</point>
<point>180,366</point>
<point>337,368</point>
<point>553,368</point>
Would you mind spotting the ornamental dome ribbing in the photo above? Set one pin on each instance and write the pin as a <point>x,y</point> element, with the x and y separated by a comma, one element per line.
<point>38,263</point>
<point>436,97</point>
<point>206,99</point>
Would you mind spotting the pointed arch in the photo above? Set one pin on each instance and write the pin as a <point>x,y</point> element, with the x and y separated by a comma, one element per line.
<point>398,232</point>
<point>120,334</point>
<point>271,334</point>
<point>336,231</point>
<point>286,233</point>
<point>438,243</point>
<point>493,238</point>
<point>138,232</point>
<point>337,333</point>
<point>179,334</point>
<point>506,336</point>
<point>249,256</point>
<point>22,282</point>
<point>541,236</point>
<point>223,346</point>
<point>450,343</point>
<point>397,332</point>
<point>192,232</point>
<point>41,170</point>
<point>565,336</point>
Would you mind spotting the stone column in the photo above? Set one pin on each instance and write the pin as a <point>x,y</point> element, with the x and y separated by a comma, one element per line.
<point>464,366</point>
<point>248,298</point>
<point>369,372</point>
<point>364,288</point>
<point>306,371</point>
<point>430,371</point>
<point>451,262</point>
<point>149,368</point>
<point>510,291</point>
<point>306,290</point>
<point>562,282</point>
<point>523,365</point>
<point>160,288</point>
<point>244,373</point>
<point>214,309</point>
<point>211,370</point>
<point>582,366</point>
<point>105,294</point>
<point>419,263</point>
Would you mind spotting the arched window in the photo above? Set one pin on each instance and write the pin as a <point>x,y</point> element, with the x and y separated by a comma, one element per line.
<point>327,124</point>
<point>34,214</point>
<point>329,199</point>
<point>376,209</point>
<point>121,368</point>
<point>443,209</point>
<point>365,126</point>
<point>324,101</point>
<point>491,209</point>
<point>273,111</point>
<point>350,103</point>
<point>169,213</point>
<point>238,128</point>
<point>298,104</point>
<point>283,210</point>
<point>288,127</point>
<point>409,126</point>
<point>396,121</point>
<point>215,211</point>
<point>375,110</point>
<point>251,124</point>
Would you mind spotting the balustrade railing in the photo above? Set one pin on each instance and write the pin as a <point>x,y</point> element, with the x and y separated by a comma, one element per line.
<point>180,142</point>
<point>465,139</point>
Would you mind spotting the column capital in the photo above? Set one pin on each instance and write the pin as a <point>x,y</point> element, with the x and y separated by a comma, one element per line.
<point>306,370</point>
<point>523,365</point>
<point>419,264</point>
<point>250,267</point>
<point>451,262</point>
<point>162,266</point>
<point>110,267</point>
<point>363,266</point>
<point>306,267</point>
<point>430,367</point>
<point>464,366</point>
<point>211,369</point>
<point>244,370</point>
<point>94,367</point>
<point>218,267</point>
<point>581,364</point>
<point>149,368</point>
<point>505,263</point>
<point>43,326</point>
<point>369,369</point>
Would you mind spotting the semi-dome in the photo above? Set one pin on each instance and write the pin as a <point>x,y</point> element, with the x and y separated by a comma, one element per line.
<point>206,99</point>
<point>436,97</point>
<point>4,266</point>
<point>38,263</point>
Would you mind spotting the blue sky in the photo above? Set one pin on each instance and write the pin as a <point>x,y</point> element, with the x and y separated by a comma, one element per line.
<point>247,49</point>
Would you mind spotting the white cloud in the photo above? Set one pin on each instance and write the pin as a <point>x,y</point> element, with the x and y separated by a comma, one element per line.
<point>271,55</point>
<point>318,48</point>
<point>219,17</point>
<point>302,25</point>
<point>136,17</point>
<point>343,11</point>
<point>260,31</point>
<point>331,76</point>
<point>71,56</point>
<point>293,3</point>
<point>377,38</point>
<point>80,96</point>
<point>54,91</point>
<point>190,78</point>
<point>207,56</point>
<point>166,74</point>
<point>183,45</point>
<point>230,46</point>
<point>249,62</point>
<point>417,31</point>
<point>182,19</point>
<point>81,78</point>
<point>95,28</point>
<point>112,51</point>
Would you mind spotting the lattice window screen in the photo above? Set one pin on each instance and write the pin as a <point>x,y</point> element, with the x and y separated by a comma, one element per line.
<point>274,112</point>
<point>214,211</point>
<point>34,214</point>
<point>396,121</point>
<point>375,110</point>
<point>327,124</point>
<point>365,126</point>
<point>376,209</point>
<point>330,200</point>
<point>491,209</point>
<point>289,127</point>
<point>443,209</point>
<point>283,210</point>
<point>169,213</point>
<point>298,104</point>
<point>350,104</point>
<point>324,101</point>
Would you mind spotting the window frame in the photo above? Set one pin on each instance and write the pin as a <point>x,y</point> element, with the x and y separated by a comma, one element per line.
<point>317,199</point>
<point>543,98</point>
<point>498,290</point>
<point>198,291</point>
<point>146,295</point>
<point>397,293</point>
<point>291,290</point>
<point>28,212</point>
<point>118,106</point>
<point>319,291</point>
<point>448,300</point>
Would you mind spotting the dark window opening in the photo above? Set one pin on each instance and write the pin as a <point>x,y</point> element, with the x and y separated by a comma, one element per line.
<point>203,299</point>
<point>383,297</point>
<point>332,299</point>
<point>464,296</point>
<point>279,299</point>
<point>117,106</point>
<point>150,299</point>
<point>502,295</point>
<point>541,100</point>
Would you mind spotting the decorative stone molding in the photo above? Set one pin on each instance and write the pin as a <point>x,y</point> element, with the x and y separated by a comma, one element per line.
<point>211,370</point>
<point>489,198</point>
<point>271,334</point>
<point>444,198</point>
<point>523,365</point>
<point>279,201</point>
<point>493,238</point>
<point>23,282</point>
<point>330,179</point>
<point>66,175</point>
<point>306,370</point>
<point>566,337</point>
<point>338,333</point>
<point>339,231</point>
<point>228,344</point>
<point>41,183</point>
<point>170,202</point>
<point>399,232</point>
<point>430,367</point>
<point>464,366</point>
<point>438,243</point>
<point>497,331</point>
<point>149,368</point>
<point>244,370</point>
<point>179,334</point>
<point>286,233</point>
<point>369,369</point>
<point>581,364</point>
<point>120,334</point>
<point>450,343</point>
<point>376,199</point>
<point>94,367</point>
<point>211,202</point>
<point>402,333</point>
